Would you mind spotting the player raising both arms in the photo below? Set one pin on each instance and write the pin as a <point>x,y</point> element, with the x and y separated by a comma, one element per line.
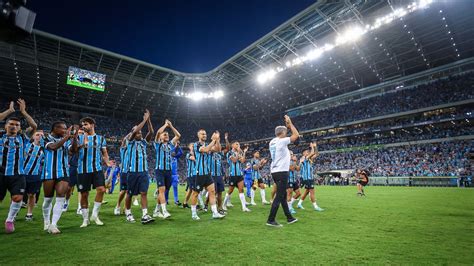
<point>92,150</point>
<point>307,176</point>
<point>257,165</point>
<point>201,152</point>
<point>217,174</point>
<point>235,158</point>
<point>137,177</point>
<point>163,175</point>
<point>12,149</point>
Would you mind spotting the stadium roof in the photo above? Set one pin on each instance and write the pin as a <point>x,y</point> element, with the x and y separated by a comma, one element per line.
<point>438,35</point>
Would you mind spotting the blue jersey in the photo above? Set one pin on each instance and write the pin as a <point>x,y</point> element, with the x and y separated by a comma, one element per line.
<point>56,163</point>
<point>306,170</point>
<point>247,173</point>
<point>201,166</point>
<point>176,153</point>
<point>189,166</point>
<point>33,158</point>
<point>12,152</point>
<point>138,156</point>
<point>163,155</point>
<point>234,168</point>
<point>112,171</point>
<point>90,153</point>
<point>255,173</point>
<point>125,158</point>
<point>293,177</point>
<point>216,163</point>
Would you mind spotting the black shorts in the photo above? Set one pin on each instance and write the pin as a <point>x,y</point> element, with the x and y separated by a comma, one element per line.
<point>234,180</point>
<point>190,183</point>
<point>260,181</point>
<point>202,182</point>
<point>33,187</point>
<point>363,183</point>
<point>16,184</point>
<point>163,178</point>
<point>94,179</point>
<point>307,184</point>
<point>293,185</point>
<point>123,181</point>
<point>137,182</point>
<point>218,183</point>
<point>72,176</point>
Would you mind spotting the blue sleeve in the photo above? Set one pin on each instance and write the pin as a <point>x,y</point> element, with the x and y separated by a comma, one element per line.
<point>179,153</point>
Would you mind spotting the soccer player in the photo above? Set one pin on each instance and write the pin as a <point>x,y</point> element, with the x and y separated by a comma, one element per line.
<point>33,159</point>
<point>293,185</point>
<point>280,168</point>
<point>73,157</point>
<point>12,149</point>
<point>92,150</point>
<point>56,173</point>
<point>125,164</point>
<point>190,179</point>
<point>307,179</point>
<point>235,158</point>
<point>257,165</point>
<point>163,148</point>
<point>137,176</point>
<point>176,153</point>
<point>248,182</point>
<point>201,152</point>
<point>217,174</point>
<point>362,181</point>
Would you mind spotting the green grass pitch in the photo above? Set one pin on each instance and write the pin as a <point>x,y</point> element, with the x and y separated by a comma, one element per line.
<point>83,85</point>
<point>392,225</point>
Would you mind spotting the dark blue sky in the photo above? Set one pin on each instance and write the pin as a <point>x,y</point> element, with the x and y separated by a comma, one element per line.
<point>189,36</point>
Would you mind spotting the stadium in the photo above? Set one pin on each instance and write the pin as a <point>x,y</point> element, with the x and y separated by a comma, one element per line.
<point>376,99</point>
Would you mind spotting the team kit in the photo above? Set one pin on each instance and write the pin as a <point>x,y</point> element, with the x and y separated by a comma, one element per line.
<point>75,156</point>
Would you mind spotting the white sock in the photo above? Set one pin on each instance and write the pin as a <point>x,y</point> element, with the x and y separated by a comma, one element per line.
<point>163,207</point>
<point>85,214</point>
<point>214,208</point>
<point>300,202</point>
<point>252,195</point>
<point>291,201</point>
<point>242,200</point>
<point>262,194</point>
<point>79,205</point>
<point>127,212</point>
<point>201,202</point>
<point>207,194</point>
<point>96,209</point>
<point>14,208</point>
<point>315,205</point>
<point>144,212</point>
<point>193,210</point>
<point>57,210</point>
<point>157,208</point>
<point>47,209</point>
<point>226,199</point>
<point>65,201</point>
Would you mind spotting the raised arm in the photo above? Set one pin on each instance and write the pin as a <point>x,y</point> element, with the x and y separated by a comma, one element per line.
<point>56,145</point>
<point>151,131</point>
<point>176,133</point>
<point>314,149</point>
<point>227,143</point>
<point>139,127</point>
<point>294,132</point>
<point>124,140</point>
<point>242,155</point>
<point>9,111</point>
<point>209,147</point>
<point>31,122</point>
<point>161,130</point>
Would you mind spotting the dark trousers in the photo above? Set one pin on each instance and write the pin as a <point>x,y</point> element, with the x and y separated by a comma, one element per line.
<point>281,181</point>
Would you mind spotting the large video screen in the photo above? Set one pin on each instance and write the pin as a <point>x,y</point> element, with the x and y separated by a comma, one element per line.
<point>86,79</point>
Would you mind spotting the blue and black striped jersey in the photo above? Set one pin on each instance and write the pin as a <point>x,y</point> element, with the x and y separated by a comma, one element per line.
<point>90,154</point>
<point>216,163</point>
<point>163,155</point>
<point>34,155</point>
<point>255,173</point>
<point>201,166</point>
<point>56,163</point>
<point>234,168</point>
<point>12,151</point>
<point>306,170</point>
<point>189,165</point>
<point>293,178</point>
<point>138,157</point>
<point>125,158</point>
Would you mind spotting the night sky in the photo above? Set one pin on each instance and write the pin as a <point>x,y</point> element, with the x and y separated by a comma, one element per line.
<point>189,36</point>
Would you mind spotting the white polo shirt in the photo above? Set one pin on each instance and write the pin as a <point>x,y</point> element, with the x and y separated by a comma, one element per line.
<point>280,155</point>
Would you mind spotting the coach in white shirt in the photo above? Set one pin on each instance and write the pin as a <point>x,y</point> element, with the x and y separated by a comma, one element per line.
<point>280,169</point>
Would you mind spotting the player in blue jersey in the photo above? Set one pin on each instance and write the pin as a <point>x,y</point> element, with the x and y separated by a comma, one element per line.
<point>163,147</point>
<point>176,153</point>
<point>257,165</point>
<point>73,157</point>
<point>124,166</point>
<point>293,185</point>
<point>12,148</point>
<point>56,172</point>
<point>307,179</point>
<point>236,157</point>
<point>137,176</point>
<point>201,151</point>
<point>248,182</point>
<point>112,175</point>
<point>190,178</point>
<point>217,173</point>
<point>92,151</point>
<point>34,154</point>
